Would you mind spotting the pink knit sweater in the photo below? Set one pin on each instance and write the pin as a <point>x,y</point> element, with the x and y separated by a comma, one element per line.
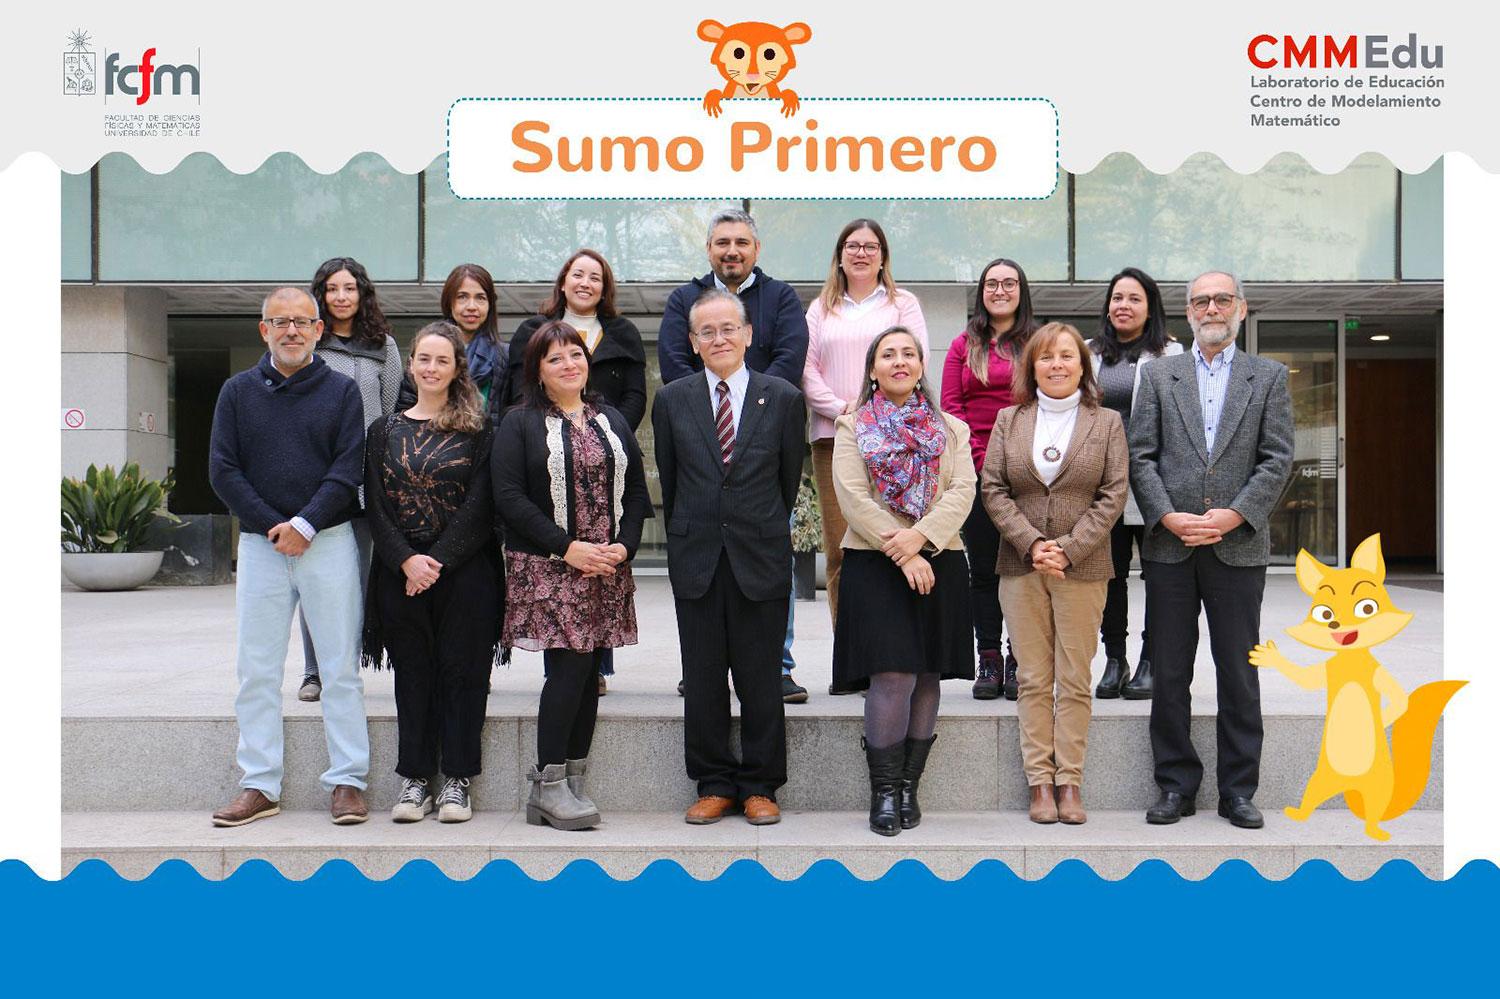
<point>836,348</point>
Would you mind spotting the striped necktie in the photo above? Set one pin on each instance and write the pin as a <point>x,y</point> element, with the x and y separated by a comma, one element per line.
<point>725,422</point>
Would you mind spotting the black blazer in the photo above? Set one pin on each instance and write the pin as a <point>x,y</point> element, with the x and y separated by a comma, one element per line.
<point>617,368</point>
<point>524,482</point>
<point>744,509</point>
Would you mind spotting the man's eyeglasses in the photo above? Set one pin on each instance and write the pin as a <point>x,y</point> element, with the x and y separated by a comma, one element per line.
<point>1223,301</point>
<point>709,334</point>
<point>282,322</point>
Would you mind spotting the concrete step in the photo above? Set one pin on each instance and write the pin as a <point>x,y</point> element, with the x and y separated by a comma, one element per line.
<point>165,763</point>
<point>297,843</point>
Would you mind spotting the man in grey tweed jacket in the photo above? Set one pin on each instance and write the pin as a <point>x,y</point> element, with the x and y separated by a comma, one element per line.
<point>1211,442</point>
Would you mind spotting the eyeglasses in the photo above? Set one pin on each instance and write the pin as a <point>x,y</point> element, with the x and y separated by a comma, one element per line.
<point>1222,300</point>
<point>1009,285</point>
<point>709,334</point>
<point>862,249</point>
<point>282,322</point>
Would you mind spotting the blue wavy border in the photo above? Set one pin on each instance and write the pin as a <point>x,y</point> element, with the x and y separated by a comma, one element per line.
<point>1234,932</point>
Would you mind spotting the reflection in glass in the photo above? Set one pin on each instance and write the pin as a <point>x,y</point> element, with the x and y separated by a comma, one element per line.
<point>1307,514</point>
<point>1285,222</point>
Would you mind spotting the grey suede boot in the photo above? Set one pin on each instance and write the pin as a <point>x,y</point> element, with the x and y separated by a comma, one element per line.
<point>577,770</point>
<point>552,803</point>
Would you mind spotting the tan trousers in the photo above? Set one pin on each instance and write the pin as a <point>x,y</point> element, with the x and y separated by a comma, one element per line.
<point>834,524</point>
<point>1054,625</point>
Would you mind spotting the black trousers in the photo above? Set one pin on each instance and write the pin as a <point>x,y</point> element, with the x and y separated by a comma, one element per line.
<point>1115,626</point>
<point>982,541</point>
<point>1231,597</point>
<point>569,706</point>
<point>724,632</point>
<point>441,645</point>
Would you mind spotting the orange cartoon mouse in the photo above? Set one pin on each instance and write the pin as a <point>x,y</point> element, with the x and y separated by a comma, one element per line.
<point>753,57</point>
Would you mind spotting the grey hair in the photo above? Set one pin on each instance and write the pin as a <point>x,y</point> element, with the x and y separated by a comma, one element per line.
<point>1239,289</point>
<point>732,215</point>
<point>718,295</point>
<point>286,292</point>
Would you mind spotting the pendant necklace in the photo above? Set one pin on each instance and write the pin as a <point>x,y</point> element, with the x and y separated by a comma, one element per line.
<point>1050,453</point>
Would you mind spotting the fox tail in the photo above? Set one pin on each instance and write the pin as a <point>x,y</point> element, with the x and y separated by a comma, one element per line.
<point>1411,747</point>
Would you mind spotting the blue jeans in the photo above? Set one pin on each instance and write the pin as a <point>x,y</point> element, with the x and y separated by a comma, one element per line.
<point>787,662</point>
<point>268,588</point>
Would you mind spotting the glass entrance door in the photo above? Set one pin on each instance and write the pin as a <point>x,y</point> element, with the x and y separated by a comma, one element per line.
<point>1310,513</point>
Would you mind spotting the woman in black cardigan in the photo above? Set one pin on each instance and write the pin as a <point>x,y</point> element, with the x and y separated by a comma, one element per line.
<point>571,486</point>
<point>583,296</point>
<point>435,596</point>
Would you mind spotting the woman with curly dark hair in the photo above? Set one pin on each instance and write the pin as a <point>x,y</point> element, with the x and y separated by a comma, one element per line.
<point>571,487</point>
<point>436,593</point>
<point>356,342</point>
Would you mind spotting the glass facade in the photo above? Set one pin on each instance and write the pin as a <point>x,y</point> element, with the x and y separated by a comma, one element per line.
<point>77,227</point>
<point>203,222</point>
<point>1286,222</point>
<point>1422,224</point>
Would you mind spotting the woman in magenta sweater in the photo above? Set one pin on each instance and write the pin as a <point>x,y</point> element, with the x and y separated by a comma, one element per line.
<point>976,386</point>
<point>859,301</point>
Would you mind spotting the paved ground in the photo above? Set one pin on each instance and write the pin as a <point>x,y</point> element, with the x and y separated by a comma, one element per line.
<point>170,652</point>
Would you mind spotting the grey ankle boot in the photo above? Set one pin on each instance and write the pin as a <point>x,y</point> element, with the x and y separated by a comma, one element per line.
<point>552,803</point>
<point>577,770</point>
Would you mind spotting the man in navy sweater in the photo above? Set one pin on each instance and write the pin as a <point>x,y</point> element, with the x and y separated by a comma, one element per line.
<point>286,457</point>
<point>778,345</point>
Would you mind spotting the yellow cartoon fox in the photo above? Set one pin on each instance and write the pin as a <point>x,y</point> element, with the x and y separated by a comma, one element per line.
<point>1352,613</point>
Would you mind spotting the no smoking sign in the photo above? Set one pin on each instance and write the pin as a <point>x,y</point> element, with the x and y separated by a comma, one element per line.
<point>73,419</point>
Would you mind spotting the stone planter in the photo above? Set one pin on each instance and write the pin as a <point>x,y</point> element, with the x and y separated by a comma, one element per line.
<point>110,570</point>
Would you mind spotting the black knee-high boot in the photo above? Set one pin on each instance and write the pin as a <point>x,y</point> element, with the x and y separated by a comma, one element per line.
<point>886,767</point>
<point>916,762</point>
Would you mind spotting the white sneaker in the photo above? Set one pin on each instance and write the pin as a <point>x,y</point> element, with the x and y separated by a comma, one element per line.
<point>453,801</point>
<point>415,801</point>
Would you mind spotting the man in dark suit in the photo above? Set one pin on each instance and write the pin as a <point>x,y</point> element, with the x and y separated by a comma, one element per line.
<point>1211,440</point>
<point>780,346</point>
<point>729,450</point>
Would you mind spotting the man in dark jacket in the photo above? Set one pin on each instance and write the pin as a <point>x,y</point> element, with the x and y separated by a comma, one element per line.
<point>779,346</point>
<point>729,446</point>
<point>286,456</point>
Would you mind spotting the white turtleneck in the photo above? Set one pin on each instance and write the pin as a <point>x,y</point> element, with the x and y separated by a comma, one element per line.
<point>588,327</point>
<point>1054,426</point>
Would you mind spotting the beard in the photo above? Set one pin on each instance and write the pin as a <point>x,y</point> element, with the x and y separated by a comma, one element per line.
<point>1215,334</point>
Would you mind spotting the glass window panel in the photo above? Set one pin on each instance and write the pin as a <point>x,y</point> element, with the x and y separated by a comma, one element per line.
<point>1422,224</point>
<point>1286,222</point>
<point>77,227</point>
<point>203,222</point>
<point>930,240</point>
<point>529,240</point>
<point>1307,514</point>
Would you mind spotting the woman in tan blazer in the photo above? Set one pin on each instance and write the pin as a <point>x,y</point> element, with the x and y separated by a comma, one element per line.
<point>904,483</point>
<point>1054,483</point>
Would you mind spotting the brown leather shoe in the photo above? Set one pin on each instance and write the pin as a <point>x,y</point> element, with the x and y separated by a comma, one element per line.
<point>1043,804</point>
<point>348,806</point>
<point>247,806</point>
<point>708,809</point>
<point>1070,805</point>
<point>761,811</point>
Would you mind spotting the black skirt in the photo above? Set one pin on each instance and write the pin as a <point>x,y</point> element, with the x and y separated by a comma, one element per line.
<point>885,626</point>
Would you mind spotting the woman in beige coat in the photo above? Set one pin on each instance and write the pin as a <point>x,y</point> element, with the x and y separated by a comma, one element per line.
<point>904,482</point>
<point>1054,483</point>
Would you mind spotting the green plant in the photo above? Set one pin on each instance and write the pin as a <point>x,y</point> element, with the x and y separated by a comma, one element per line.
<point>807,518</point>
<point>106,512</point>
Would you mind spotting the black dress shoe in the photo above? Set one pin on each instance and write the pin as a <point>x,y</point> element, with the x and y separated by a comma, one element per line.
<point>1170,807</point>
<point>1241,812</point>
<point>1138,688</point>
<point>1116,673</point>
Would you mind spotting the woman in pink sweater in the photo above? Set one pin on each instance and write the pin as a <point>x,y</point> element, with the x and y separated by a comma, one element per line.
<point>976,386</point>
<point>859,301</point>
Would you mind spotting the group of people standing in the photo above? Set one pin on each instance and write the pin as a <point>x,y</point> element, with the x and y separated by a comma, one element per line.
<point>1046,460</point>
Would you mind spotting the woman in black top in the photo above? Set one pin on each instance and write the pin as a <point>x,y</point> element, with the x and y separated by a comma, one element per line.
<point>435,596</point>
<point>583,296</point>
<point>571,486</point>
